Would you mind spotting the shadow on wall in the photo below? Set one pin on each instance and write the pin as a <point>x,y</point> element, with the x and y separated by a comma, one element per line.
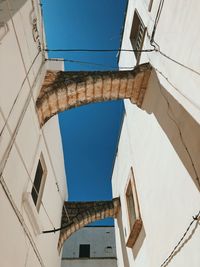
<point>139,242</point>
<point>136,247</point>
<point>179,126</point>
<point>5,6</point>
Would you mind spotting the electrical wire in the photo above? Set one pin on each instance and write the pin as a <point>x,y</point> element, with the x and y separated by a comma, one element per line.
<point>178,90</point>
<point>157,46</point>
<point>172,254</point>
<point>22,114</point>
<point>160,7</point>
<point>99,50</point>
<point>179,63</point>
<point>181,138</point>
<point>89,63</point>
<point>17,96</point>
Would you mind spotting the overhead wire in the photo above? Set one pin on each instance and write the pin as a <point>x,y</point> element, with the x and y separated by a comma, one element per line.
<point>21,87</point>
<point>26,78</point>
<point>45,141</point>
<point>157,46</point>
<point>99,50</point>
<point>89,63</point>
<point>175,249</point>
<point>18,124</point>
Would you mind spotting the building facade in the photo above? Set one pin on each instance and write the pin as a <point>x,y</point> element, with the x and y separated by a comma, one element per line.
<point>91,246</point>
<point>157,170</point>
<point>32,183</point>
<point>156,173</point>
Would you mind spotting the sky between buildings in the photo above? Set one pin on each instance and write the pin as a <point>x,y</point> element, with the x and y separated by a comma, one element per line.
<point>89,133</point>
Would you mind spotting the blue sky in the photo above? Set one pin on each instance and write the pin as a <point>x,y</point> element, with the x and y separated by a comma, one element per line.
<point>89,133</point>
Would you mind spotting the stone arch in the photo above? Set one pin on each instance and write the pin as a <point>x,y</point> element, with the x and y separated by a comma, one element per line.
<point>80,214</point>
<point>65,90</point>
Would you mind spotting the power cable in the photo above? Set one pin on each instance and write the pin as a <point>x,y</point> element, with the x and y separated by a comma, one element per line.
<point>160,7</point>
<point>89,63</point>
<point>181,138</point>
<point>15,100</point>
<point>172,254</point>
<point>99,50</point>
<point>176,89</point>
<point>177,62</point>
<point>157,46</point>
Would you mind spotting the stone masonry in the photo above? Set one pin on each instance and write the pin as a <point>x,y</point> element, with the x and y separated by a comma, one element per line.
<point>64,90</point>
<point>78,214</point>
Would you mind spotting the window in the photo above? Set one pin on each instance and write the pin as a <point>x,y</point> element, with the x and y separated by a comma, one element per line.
<point>134,219</point>
<point>138,31</point>
<point>38,184</point>
<point>84,251</point>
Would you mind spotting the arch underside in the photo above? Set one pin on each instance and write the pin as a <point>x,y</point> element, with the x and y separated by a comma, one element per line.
<point>65,90</point>
<point>78,214</point>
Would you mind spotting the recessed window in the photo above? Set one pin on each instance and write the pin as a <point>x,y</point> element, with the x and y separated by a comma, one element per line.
<point>134,219</point>
<point>84,251</point>
<point>138,31</point>
<point>38,184</point>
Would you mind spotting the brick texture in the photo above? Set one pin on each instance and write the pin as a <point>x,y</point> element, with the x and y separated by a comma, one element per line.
<point>64,90</point>
<point>78,214</point>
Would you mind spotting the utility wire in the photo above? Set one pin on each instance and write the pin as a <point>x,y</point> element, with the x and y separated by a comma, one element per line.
<point>157,46</point>
<point>180,133</point>
<point>195,218</point>
<point>30,68</point>
<point>99,50</point>
<point>177,62</point>
<point>160,7</point>
<point>178,90</point>
<point>89,63</point>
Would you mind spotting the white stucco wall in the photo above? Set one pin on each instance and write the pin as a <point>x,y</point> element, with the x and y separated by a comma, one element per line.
<point>178,37</point>
<point>21,143</point>
<point>168,197</point>
<point>89,263</point>
<point>102,247</point>
<point>161,141</point>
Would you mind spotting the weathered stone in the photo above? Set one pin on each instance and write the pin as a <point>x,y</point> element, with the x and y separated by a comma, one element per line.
<point>80,214</point>
<point>64,90</point>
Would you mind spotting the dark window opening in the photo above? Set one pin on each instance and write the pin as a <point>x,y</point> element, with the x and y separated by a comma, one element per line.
<point>84,251</point>
<point>138,31</point>
<point>38,183</point>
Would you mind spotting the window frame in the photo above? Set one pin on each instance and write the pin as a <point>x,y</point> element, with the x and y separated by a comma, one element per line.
<point>42,183</point>
<point>141,24</point>
<point>135,227</point>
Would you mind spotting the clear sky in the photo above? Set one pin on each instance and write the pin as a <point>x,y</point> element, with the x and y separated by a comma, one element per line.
<point>89,133</point>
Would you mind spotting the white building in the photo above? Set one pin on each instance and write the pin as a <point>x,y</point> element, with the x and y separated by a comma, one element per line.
<point>91,246</point>
<point>32,183</point>
<point>157,170</point>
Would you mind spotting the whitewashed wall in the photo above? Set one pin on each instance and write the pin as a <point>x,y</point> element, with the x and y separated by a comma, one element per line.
<point>99,239</point>
<point>161,142</point>
<point>178,37</point>
<point>22,142</point>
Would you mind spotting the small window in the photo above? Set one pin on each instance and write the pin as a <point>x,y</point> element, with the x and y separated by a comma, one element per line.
<point>84,251</point>
<point>138,31</point>
<point>134,219</point>
<point>38,184</point>
<point>108,250</point>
